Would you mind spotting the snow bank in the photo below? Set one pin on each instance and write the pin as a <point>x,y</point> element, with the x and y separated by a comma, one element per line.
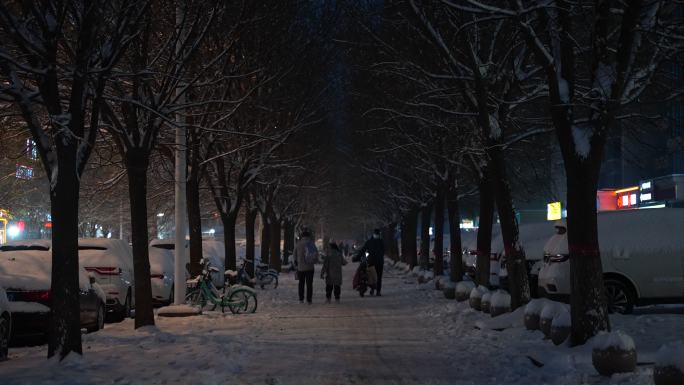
<point>500,299</point>
<point>478,292</point>
<point>671,354</point>
<point>551,309</point>
<point>535,306</point>
<point>465,286</point>
<point>615,339</point>
<point>562,319</point>
<point>505,321</point>
<point>178,310</point>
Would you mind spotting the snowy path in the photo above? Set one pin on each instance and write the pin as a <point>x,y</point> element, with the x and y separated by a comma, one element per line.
<point>411,335</point>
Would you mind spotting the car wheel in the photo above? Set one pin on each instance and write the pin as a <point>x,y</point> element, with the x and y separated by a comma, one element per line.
<point>4,338</point>
<point>619,296</point>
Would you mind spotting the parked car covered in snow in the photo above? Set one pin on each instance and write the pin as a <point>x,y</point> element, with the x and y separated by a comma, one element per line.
<point>161,275</point>
<point>110,261</point>
<point>533,237</point>
<point>212,250</point>
<point>5,324</point>
<point>643,261</point>
<point>25,274</point>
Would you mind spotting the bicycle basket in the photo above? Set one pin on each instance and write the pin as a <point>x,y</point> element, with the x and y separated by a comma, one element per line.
<point>192,283</point>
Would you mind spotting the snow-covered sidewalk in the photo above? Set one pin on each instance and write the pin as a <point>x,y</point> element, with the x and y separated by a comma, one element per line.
<point>410,335</point>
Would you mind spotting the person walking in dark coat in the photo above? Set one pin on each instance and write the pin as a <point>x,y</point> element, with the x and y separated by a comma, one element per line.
<point>332,272</point>
<point>305,269</point>
<point>376,257</point>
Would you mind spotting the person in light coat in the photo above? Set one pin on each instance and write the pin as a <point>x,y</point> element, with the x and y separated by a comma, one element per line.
<point>305,271</point>
<point>332,272</point>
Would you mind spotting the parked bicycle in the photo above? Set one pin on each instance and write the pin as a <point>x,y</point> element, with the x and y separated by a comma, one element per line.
<point>201,292</point>
<point>264,276</point>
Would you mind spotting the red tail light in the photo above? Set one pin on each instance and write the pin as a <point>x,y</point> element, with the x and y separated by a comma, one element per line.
<point>32,296</point>
<point>160,276</point>
<point>559,258</point>
<point>104,270</point>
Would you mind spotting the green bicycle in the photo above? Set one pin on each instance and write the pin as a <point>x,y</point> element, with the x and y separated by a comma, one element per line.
<point>202,293</point>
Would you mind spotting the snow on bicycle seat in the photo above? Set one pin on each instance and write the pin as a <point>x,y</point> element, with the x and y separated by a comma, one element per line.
<point>230,273</point>
<point>213,269</point>
<point>262,265</point>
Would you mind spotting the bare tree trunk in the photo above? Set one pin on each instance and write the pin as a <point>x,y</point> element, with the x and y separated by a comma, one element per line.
<point>64,334</point>
<point>484,231</point>
<point>265,239</point>
<point>518,280</point>
<point>408,237</point>
<point>229,240</point>
<point>288,246</point>
<point>589,310</point>
<point>250,221</point>
<point>438,248</point>
<point>456,253</point>
<point>194,222</point>
<point>425,216</point>
<point>136,166</point>
<point>274,243</point>
<point>390,242</point>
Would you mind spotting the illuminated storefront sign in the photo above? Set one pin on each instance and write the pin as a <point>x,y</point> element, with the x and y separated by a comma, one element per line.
<point>554,211</point>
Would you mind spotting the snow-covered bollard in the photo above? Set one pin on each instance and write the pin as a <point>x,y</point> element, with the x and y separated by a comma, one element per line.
<point>532,313</point>
<point>550,310</point>
<point>425,276</point>
<point>613,353</point>
<point>416,271</point>
<point>463,290</point>
<point>440,280</point>
<point>500,303</point>
<point>560,327</point>
<point>449,289</point>
<point>476,297</point>
<point>669,365</point>
<point>485,302</point>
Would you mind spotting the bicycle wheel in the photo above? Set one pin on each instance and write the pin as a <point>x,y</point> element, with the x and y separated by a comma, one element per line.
<point>196,298</point>
<point>242,301</point>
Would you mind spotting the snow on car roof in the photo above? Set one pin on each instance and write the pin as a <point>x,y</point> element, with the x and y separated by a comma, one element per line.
<point>98,252</point>
<point>31,270</point>
<point>161,261</point>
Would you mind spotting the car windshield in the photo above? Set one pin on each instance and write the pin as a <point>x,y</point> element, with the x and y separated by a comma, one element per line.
<point>23,247</point>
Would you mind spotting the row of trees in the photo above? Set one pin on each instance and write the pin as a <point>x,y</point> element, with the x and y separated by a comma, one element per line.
<point>464,90</point>
<point>112,80</point>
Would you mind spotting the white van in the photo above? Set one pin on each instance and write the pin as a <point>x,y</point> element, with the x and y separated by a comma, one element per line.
<point>642,253</point>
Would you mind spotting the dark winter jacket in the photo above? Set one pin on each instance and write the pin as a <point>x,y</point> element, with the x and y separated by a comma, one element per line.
<point>376,251</point>
<point>332,267</point>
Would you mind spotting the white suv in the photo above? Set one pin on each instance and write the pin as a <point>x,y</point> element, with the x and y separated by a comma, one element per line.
<point>110,261</point>
<point>642,253</point>
<point>5,324</point>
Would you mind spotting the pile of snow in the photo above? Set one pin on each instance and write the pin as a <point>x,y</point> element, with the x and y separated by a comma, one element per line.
<point>551,309</point>
<point>486,297</point>
<point>562,319</point>
<point>478,292</point>
<point>465,286</point>
<point>416,271</point>
<point>535,306</point>
<point>502,322</point>
<point>179,310</point>
<point>617,340</point>
<point>448,284</point>
<point>500,299</point>
<point>671,354</point>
